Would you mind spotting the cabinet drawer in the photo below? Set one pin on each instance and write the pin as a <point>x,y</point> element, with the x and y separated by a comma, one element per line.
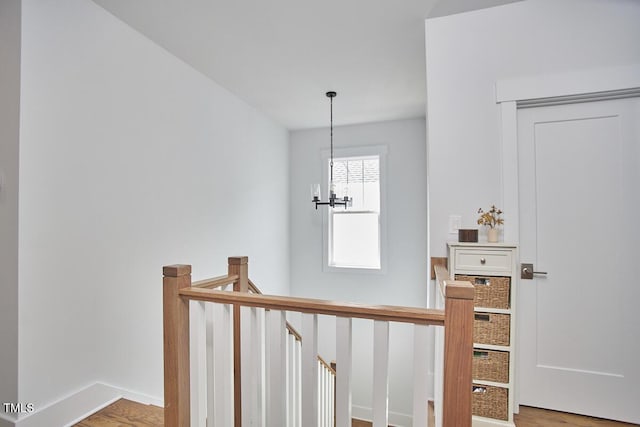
<point>490,291</point>
<point>491,328</point>
<point>491,402</point>
<point>483,261</point>
<point>491,365</point>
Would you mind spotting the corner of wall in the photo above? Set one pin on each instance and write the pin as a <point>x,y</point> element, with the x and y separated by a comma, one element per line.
<point>10,51</point>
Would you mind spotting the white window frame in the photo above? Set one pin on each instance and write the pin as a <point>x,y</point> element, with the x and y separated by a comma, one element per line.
<point>373,150</point>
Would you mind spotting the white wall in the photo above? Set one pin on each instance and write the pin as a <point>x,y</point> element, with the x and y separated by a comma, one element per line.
<point>129,160</point>
<point>9,141</point>
<point>405,280</point>
<point>468,53</point>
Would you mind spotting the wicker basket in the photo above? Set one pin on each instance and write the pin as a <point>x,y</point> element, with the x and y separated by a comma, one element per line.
<point>490,402</point>
<point>491,292</point>
<point>490,365</point>
<point>491,328</point>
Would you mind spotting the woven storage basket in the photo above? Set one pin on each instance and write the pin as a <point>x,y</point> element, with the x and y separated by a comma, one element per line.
<point>490,402</point>
<point>491,365</point>
<point>491,328</point>
<point>490,292</point>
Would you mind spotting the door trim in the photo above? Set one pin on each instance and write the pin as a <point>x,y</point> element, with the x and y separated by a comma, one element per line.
<point>518,93</point>
<point>561,88</point>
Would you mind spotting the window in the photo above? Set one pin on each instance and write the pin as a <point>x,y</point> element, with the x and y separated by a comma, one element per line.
<point>354,235</point>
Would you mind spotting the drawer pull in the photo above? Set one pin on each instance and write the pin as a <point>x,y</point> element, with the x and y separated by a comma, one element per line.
<point>479,389</point>
<point>482,317</point>
<point>482,281</point>
<point>483,261</point>
<point>480,354</point>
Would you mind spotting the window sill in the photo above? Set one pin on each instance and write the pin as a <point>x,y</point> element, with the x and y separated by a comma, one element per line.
<point>353,270</point>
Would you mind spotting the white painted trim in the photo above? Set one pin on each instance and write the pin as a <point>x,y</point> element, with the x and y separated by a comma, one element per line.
<point>134,396</point>
<point>344,353</point>
<point>509,140</point>
<point>73,408</point>
<point>6,420</point>
<point>198,363</point>
<point>380,373</point>
<point>358,151</point>
<point>309,369</point>
<point>395,418</point>
<point>421,350</point>
<point>600,83</point>
<point>571,83</point>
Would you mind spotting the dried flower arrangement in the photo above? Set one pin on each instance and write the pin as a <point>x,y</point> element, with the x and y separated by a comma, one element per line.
<point>492,218</point>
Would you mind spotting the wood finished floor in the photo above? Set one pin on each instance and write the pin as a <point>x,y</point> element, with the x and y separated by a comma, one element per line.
<point>131,414</point>
<point>125,413</point>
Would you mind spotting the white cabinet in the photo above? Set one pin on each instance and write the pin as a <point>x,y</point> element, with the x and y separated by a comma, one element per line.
<point>492,270</point>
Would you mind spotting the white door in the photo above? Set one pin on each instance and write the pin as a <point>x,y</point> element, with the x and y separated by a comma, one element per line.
<point>579,325</point>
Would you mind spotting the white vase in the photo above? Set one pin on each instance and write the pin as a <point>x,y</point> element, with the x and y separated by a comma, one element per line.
<point>492,235</point>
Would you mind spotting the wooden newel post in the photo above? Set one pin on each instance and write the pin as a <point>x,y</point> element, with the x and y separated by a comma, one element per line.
<point>176,346</point>
<point>458,354</point>
<point>238,265</point>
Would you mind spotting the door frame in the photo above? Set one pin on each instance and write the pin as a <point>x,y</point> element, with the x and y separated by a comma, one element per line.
<point>550,89</point>
<point>542,90</point>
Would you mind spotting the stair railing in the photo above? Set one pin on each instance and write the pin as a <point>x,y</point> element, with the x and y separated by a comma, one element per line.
<point>226,354</point>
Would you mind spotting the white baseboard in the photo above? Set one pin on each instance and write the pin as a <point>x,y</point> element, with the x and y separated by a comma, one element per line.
<point>138,397</point>
<point>7,421</point>
<point>395,418</point>
<point>74,408</point>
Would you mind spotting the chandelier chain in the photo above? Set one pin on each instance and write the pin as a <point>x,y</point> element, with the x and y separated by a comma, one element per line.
<point>331,121</point>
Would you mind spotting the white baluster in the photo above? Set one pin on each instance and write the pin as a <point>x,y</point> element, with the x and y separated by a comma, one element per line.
<point>327,410</point>
<point>420,374</point>
<point>320,394</point>
<point>343,366</point>
<point>322,400</point>
<point>333,400</point>
<point>247,363</point>
<point>438,367</point>
<point>298,382</point>
<point>309,370</point>
<point>380,374</point>
<point>277,375</point>
<point>220,366</point>
<point>197,362</point>
<point>327,392</point>
<point>261,371</point>
<point>287,384</point>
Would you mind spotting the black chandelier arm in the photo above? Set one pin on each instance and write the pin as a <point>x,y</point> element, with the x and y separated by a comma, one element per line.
<point>333,201</point>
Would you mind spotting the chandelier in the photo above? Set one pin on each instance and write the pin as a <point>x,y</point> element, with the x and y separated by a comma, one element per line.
<point>333,199</point>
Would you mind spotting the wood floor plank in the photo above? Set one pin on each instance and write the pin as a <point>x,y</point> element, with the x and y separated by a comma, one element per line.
<point>536,417</point>
<point>127,413</point>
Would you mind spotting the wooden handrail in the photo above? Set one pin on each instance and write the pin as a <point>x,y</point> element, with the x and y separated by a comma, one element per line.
<point>253,288</point>
<point>442,274</point>
<point>415,315</point>
<point>326,365</point>
<point>293,332</point>
<point>457,319</point>
<point>215,282</point>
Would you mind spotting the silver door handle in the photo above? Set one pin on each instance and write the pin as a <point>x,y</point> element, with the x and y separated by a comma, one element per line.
<point>527,272</point>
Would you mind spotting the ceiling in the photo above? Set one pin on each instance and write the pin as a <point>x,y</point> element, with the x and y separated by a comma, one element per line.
<point>281,56</point>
